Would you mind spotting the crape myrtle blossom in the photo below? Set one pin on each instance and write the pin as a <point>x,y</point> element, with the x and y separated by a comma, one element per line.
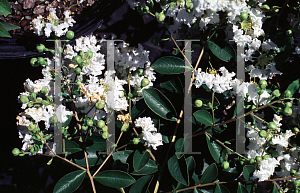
<point>150,135</point>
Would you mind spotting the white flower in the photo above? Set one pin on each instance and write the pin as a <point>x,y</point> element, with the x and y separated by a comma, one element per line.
<point>62,113</point>
<point>266,169</point>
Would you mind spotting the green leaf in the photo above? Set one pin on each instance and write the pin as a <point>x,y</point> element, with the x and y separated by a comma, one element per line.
<point>294,86</point>
<point>204,117</point>
<point>179,147</point>
<point>114,178</point>
<point>173,85</point>
<point>9,26</point>
<point>221,189</point>
<point>248,171</point>
<point>159,104</point>
<point>121,155</point>
<point>138,186</point>
<point>223,52</point>
<point>140,159</point>
<point>96,142</point>
<point>190,162</point>
<point>67,122</point>
<point>215,150</point>
<point>71,146</point>
<point>210,174</point>
<point>3,31</point>
<point>4,7</point>
<point>138,109</point>
<point>93,156</point>
<point>70,182</point>
<point>275,189</point>
<point>169,65</point>
<point>241,188</point>
<point>175,170</point>
<point>149,168</point>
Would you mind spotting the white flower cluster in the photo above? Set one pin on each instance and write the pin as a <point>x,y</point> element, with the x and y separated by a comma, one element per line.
<point>150,134</point>
<point>53,24</point>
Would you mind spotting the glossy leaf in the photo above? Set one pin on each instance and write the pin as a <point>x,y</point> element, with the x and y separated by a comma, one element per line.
<point>140,159</point>
<point>241,188</point>
<point>294,86</point>
<point>159,104</point>
<point>225,53</point>
<point>96,142</point>
<point>179,147</point>
<point>248,171</point>
<point>4,8</point>
<point>138,186</point>
<point>114,178</point>
<point>275,189</point>
<point>138,109</point>
<point>210,174</point>
<point>121,155</point>
<point>9,26</point>
<point>70,182</point>
<point>71,146</point>
<point>215,150</point>
<point>149,168</point>
<point>94,157</point>
<point>204,117</point>
<point>221,189</point>
<point>175,170</point>
<point>169,65</point>
<point>173,85</point>
<point>3,31</point>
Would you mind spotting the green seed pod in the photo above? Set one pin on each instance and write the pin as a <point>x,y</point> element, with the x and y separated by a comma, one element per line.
<point>258,158</point>
<point>288,104</point>
<point>44,90</point>
<point>287,94</point>
<point>275,153</point>
<point>263,84</point>
<point>24,99</point>
<point>40,48</point>
<point>276,93</point>
<point>89,54</point>
<point>263,133</point>
<point>296,130</point>
<point>100,104</point>
<point>70,34</point>
<point>15,151</point>
<point>82,64</point>
<point>198,103</point>
<point>252,161</point>
<point>145,82</point>
<point>244,15</point>
<point>125,127</point>
<point>287,111</point>
<point>101,124</point>
<point>40,60</point>
<point>77,70</point>
<point>272,125</point>
<point>104,135</point>
<point>225,165</point>
<point>89,122</point>
<point>266,156</point>
<point>77,59</point>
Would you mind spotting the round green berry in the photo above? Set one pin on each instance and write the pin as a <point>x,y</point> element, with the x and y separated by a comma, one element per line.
<point>89,122</point>
<point>263,133</point>
<point>287,111</point>
<point>288,104</point>
<point>77,59</point>
<point>225,165</point>
<point>276,93</point>
<point>70,34</point>
<point>140,72</point>
<point>266,156</point>
<point>15,151</point>
<point>244,15</point>
<point>289,32</point>
<point>136,141</point>
<point>198,103</point>
<point>100,104</point>
<point>89,54</point>
<point>77,70</point>
<point>145,82</point>
<point>252,161</point>
<point>24,99</point>
<point>44,90</point>
<point>34,62</point>
<point>104,135</point>
<point>258,158</point>
<point>274,153</point>
<point>40,60</point>
<point>296,130</point>
<point>272,125</point>
<point>263,84</point>
<point>287,94</point>
<point>125,126</point>
<point>101,124</point>
<point>82,64</point>
<point>40,48</point>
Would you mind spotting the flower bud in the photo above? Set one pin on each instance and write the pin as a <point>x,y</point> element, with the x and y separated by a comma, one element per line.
<point>287,94</point>
<point>272,125</point>
<point>31,127</point>
<point>263,84</point>
<point>125,127</point>
<point>15,151</point>
<point>84,127</point>
<point>275,153</point>
<point>70,34</point>
<point>44,90</point>
<point>263,133</point>
<point>266,156</point>
<point>100,104</point>
<point>89,54</point>
<point>276,93</point>
<point>104,135</point>
<point>288,104</point>
<point>40,48</point>
<point>198,103</point>
<point>89,122</point>
<point>225,165</point>
<point>136,141</point>
<point>101,124</point>
<point>24,99</point>
<point>244,15</point>
<point>258,158</point>
<point>34,62</point>
<point>287,111</point>
<point>252,161</point>
<point>145,82</point>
